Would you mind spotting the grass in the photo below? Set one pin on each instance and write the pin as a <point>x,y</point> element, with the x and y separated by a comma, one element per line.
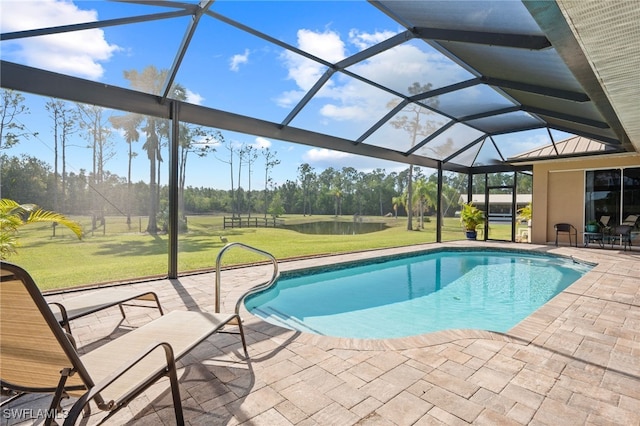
<point>119,253</point>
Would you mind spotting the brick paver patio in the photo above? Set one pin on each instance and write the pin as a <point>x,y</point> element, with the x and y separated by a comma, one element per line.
<point>574,361</point>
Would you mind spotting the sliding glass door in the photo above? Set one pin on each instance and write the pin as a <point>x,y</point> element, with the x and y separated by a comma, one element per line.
<point>614,193</point>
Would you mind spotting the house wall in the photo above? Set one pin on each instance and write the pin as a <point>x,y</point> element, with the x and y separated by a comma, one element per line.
<point>558,193</point>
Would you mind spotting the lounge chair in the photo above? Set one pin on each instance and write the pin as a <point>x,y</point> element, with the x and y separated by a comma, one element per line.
<point>38,355</point>
<point>603,223</point>
<point>79,306</point>
<point>630,220</point>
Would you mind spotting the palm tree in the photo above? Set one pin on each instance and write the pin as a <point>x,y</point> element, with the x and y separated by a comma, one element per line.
<point>14,215</point>
<point>397,201</point>
<point>424,196</point>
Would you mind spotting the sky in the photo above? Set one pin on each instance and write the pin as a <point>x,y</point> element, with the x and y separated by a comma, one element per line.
<point>232,70</point>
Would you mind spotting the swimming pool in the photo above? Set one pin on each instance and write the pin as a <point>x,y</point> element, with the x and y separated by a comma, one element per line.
<point>411,295</point>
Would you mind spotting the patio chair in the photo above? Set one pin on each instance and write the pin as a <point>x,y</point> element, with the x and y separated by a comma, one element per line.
<point>38,355</point>
<point>80,306</point>
<point>566,228</point>
<point>621,233</point>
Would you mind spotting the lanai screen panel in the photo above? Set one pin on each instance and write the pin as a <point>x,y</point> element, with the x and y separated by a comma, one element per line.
<point>493,66</point>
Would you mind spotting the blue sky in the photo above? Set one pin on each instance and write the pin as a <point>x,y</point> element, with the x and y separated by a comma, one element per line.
<point>231,70</point>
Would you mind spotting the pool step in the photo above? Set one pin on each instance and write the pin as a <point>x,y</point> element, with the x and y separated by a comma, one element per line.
<point>284,320</point>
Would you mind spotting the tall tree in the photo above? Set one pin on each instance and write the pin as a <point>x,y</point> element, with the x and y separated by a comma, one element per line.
<point>424,196</point>
<point>151,80</point>
<point>270,161</point>
<point>129,124</point>
<point>376,182</point>
<point>242,151</point>
<point>11,129</point>
<point>397,201</point>
<point>196,140</point>
<point>230,146</point>
<point>64,120</point>
<point>415,120</point>
<point>251,156</point>
<point>306,176</point>
<point>93,123</point>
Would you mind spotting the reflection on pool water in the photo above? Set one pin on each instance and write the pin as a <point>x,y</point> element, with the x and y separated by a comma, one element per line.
<point>489,290</point>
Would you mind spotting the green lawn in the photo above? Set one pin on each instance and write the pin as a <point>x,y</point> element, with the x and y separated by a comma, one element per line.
<point>118,252</point>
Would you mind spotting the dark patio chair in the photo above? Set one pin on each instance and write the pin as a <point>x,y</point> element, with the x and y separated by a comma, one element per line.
<point>622,234</point>
<point>569,229</point>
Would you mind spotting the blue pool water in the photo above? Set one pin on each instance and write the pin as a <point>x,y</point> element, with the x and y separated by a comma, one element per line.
<point>418,294</point>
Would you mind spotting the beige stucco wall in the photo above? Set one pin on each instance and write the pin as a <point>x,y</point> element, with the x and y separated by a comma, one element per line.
<point>558,193</point>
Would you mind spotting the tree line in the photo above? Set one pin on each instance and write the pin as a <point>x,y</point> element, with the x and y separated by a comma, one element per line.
<point>347,191</point>
<point>99,192</point>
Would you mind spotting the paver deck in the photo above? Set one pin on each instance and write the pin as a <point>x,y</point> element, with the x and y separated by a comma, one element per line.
<point>576,360</point>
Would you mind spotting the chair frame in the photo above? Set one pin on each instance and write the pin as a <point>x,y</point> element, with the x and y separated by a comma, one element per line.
<point>622,233</point>
<point>62,353</point>
<point>568,229</point>
<point>80,306</point>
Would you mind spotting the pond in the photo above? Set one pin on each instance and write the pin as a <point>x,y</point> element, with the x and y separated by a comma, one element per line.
<point>337,228</point>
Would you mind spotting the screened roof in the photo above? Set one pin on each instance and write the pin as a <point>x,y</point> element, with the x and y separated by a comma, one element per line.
<point>484,76</point>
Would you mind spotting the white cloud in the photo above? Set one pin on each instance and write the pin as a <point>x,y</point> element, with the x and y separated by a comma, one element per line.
<point>319,155</point>
<point>289,98</point>
<point>261,143</point>
<point>326,45</point>
<point>194,98</point>
<point>237,60</point>
<point>344,113</point>
<point>77,53</point>
<point>322,158</point>
<point>364,40</point>
<point>348,100</point>
<point>403,65</point>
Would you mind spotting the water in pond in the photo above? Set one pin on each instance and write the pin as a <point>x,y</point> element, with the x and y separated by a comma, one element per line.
<point>337,228</point>
<point>418,294</point>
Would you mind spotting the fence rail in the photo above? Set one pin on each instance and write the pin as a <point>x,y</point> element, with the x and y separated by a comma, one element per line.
<point>251,222</point>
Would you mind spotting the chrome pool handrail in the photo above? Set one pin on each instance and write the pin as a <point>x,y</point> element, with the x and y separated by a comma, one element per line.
<point>252,290</point>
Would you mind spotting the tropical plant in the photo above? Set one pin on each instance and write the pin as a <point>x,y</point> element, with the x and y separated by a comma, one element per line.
<point>14,215</point>
<point>524,214</point>
<point>471,216</point>
<point>424,196</point>
<point>397,201</point>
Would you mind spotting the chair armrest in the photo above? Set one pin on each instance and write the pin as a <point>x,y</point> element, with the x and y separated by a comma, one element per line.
<point>64,322</point>
<point>79,405</point>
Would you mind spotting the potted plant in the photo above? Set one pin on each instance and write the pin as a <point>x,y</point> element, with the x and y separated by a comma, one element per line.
<point>592,226</point>
<point>470,218</point>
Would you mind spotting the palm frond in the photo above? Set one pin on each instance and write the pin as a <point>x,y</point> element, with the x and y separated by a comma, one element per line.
<point>48,216</point>
<point>14,215</point>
